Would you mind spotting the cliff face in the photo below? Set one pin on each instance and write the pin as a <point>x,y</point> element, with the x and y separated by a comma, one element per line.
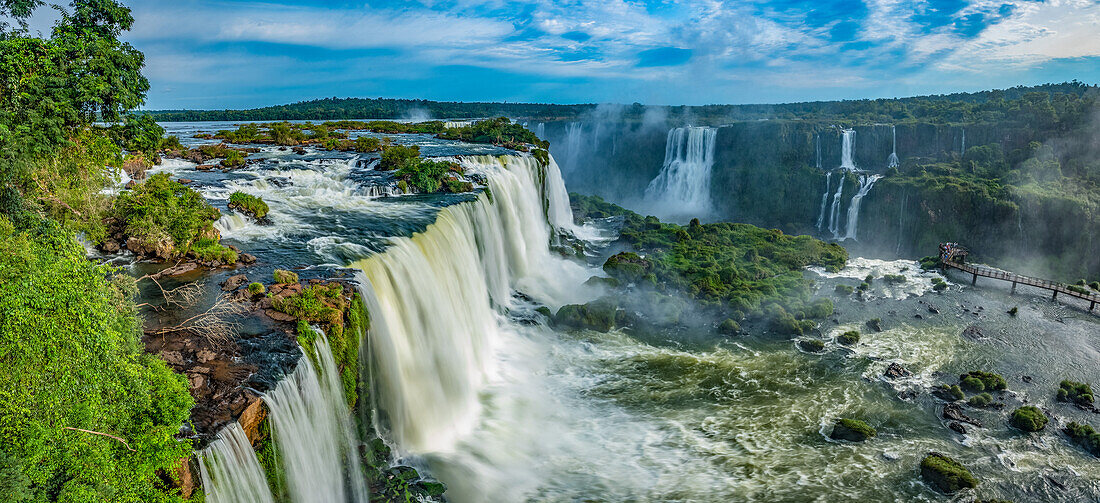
<point>773,174</point>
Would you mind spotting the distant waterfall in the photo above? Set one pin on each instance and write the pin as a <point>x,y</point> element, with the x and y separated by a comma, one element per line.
<point>963,151</point>
<point>824,200</point>
<point>682,188</point>
<point>817,152</point>
<point>865,184</point>
<point>313,433</point>
<point>434,300</point>
<point>540,130</point>
<point>573,147</point>
<point>892,161</point>
<point>230,471</point>
<point>847,140</point>
<point>834,213</point>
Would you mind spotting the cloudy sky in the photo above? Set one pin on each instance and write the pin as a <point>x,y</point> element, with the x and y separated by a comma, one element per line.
<point>235,53</point>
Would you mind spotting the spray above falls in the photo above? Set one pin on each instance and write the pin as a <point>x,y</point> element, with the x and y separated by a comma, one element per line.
<point>682,188</point>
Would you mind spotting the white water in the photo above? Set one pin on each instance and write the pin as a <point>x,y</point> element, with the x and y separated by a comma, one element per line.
<point>825,199</point>
<point>892,161</point>
<point>230,471</point>
<point>817,149</point>
<point>682,188</point>
<point>848,138</point>
<point>573,140</point>
<point>540,130</point>
<point>313,433</point>
<point>431,346</point>
<point>834,213</point>
<point>865,184</point>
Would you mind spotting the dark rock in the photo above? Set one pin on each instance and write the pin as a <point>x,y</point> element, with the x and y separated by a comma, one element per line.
<point>277,316</point>
<point>185,181</point>
<point>599,316</point>
<point>945,474</point>
<point>205,167</point>
<point>234,282</point>
<point>957,427</point>
<point>932,309</point>
<point>811,345</point>
<point>852,430</point>
<point>953,411</point>
<point>875,324</point>
<point>896,371</point>
<point>1025,378</point>
<point>973,332</point>
<point>247,258</point>
<point>111,246</point>
<point>299,151</point>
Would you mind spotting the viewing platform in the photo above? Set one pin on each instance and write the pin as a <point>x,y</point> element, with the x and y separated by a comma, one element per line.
<point>954,256</point>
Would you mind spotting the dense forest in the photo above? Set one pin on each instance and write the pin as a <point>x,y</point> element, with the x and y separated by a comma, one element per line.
<point>980,106</point>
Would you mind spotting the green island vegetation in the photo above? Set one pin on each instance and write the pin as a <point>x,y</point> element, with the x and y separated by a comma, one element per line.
<point>852,430</point>
<point>1084,436</point>
<point>981,400</point>
<point>950,393</point>
<point>1075,392</point>
<point>811,345</point>
<point>978,381</point>
<point>749,271</point>
<point>843,289</point>
<point>945,474</point>
<point>424,175</point>
<point>849,338</point>
<point>248,203</point>
<point>1028,418</point>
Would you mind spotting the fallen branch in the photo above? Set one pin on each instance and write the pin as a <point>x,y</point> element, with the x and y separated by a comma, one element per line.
<point>103,434</point>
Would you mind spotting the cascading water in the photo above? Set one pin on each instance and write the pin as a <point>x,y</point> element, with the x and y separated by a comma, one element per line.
<point>848,138</point>
<point>892,161</point>
<point>430,346</point>
<point>963,151</point>
<point>817,149</point>
<point>824,200</point>
<point>313,433</point>
<point>682,188</point>
<point>865,184</point>
<point>834,213</point>
<point>573,140</point>
<point>540,130</point>
<point>230,471</point>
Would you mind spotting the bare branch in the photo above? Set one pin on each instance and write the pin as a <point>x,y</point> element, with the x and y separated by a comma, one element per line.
<point>217,324</point>
<point>102,434</point>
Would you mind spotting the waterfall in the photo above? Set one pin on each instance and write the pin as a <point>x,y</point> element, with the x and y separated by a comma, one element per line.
<point>817,152</point>
<point>892,161</point>
<point>230,471</point>
<point>573,141</point>
<point>865,184</point>
<point>901,222</point>
<point>963,141</point>
<point>596,137</point>
<point>834,213</point>
<point>435,299</point>
<point>824,200</point>
<point>313,432</point>
<point>846,143</point>
<point>682,188</point>
<point>540,130</point>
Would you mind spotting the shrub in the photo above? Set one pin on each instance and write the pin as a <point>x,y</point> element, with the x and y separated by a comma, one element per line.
<point>849,338</point>
<point>285,277</point>
<point>1028,418</point>
<point>729,327</point>
<point>946,474</point>
<point>820,308</point>
<point>844,289</point>
<point>950,393</point>
<point>811,345</point>
<point>863,287</point>
<point>894,278</point>
<point>209,250</point>
<point>929,262</point>
<point>160,208</point>
<point>233,159</point>
<point>852,430</point>
<point>1071,391</point>
<point>1095,285</point>
<point>1084,436</point>
<point>315,304</point>
<point>256,289</point>
<point>598,316</point>
<point>367,144</point>
<point>982,400</point>
<point>869,279</point>
<point>396,157</point>
<point>979,381</point>
<point>247,203</point>
<point>626,266</point>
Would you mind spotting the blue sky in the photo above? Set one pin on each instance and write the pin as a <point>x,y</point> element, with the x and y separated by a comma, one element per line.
<point>235,53</point>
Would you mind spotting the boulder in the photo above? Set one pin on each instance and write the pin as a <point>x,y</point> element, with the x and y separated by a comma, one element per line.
<point>247,258</point>
<point>957,427</point>
<point>598,316</point>
<point>945,474</point>
<point>186,477</point>
<point>896,371</point>
<point>852,430</point>
<point>953,411</point>
<point>234,282</point>
<point>973,332</point>
<point>278,316</point>
<point>251,417</point>
<point>875,324</point>
<point>1028,418</point>
<point>110,246</point>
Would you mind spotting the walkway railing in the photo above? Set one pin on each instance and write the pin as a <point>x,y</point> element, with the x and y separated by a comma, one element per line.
<point>1057,288</point>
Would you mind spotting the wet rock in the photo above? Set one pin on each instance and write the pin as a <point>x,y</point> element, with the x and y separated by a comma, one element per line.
<point>251,417</point>
<point>186,477</point>
<point>277,316</point>
<point>1026,379</point>
<point>172,358</point>
<point>946,474</point>
<point>198,381</point>
<point>932,309</point>
<point>247,258</point>
<point>973,332</point>
<point>299,151</point>
<point>953,411</point>
<point>896,371</point>
<point>811,345</point>
<point>874,324</point>
<point>957,427</point>
<point>234,282</point>
<point>111,246</point>
<point>185,181</point>
<point>205,355</point>
<point>205,167</point>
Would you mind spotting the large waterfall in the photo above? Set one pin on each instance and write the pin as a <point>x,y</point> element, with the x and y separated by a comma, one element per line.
<point>848,139</point>
<point>313,433</point>
<point>435,299</point>
<point>682,188</point>
<point>865,184</point>
<point>892,161</point>
<point>230,471</point>
<point>825,199</point>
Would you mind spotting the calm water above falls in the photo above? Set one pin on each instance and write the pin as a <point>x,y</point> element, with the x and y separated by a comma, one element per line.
<point>502,410</point>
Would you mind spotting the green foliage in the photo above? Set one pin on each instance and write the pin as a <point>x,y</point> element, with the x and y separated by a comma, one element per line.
<point>852,430</point>
<point>849,338</point>
<point>842,289</point>
<point>1028,418</point>
<point>160,208</point>
<point>1076,392</point>
<point>950,393</point>
<point>978,381</point>
<point>395,157</point>
<point>598,316</point>
<point>929,262</point>
<point>248,203</point>
<point>367,144</point>
<point>982,400</point>
<point>499,131</point>
<point>316,304</point>
<point>1085,436</point>
<point>209,250</point>
<point>138,134</point>
<point>69,340</point>
<point>938,284</point>
<point>811,345</point>
<point>894,278</point>
<point>728,327</point>
<point>946,474</point>
<point>255,289</point>
<point>233,159</point>
<point>285,277</point>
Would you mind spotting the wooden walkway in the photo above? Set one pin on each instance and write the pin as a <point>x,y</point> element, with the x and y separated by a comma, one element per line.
<point>1056,288</point>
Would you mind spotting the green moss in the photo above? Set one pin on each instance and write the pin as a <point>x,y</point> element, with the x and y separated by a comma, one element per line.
<point>233,159</point>
<point>209,250</point>
<point>285,277</point>
<point>972,384</point>
<point>1076,392</point>
<point>1084,436</point>
<point>627,266</point>
<point>946,474</point>
<point>852,430</point>
<point>316,304</point>
<point>1028,418</point>
<point>978,381</point>
<point>950,393</point>
<point>982,400</point>
<point>844,289</point>
<point>599,316</point>
<point>849,338</point>
<point>894,278</point>
<point>811,345</point>
<point>256,289</point>
<point>729,327</point>
<point>248,203</point>
<point>269,459</point>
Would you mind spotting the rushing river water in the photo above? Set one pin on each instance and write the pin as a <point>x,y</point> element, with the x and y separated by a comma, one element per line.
<point>503,409</point>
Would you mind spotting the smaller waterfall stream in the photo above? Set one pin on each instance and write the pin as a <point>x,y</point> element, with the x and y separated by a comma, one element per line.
<point>892,161</point>
<point>682,188</point>
<point>865,184</point>
<point>834,213</point>
<point>824,200</point>
<point>573,147</point>
<point>313,433</point>
<point>230,471</point>
<point>848,139</point>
